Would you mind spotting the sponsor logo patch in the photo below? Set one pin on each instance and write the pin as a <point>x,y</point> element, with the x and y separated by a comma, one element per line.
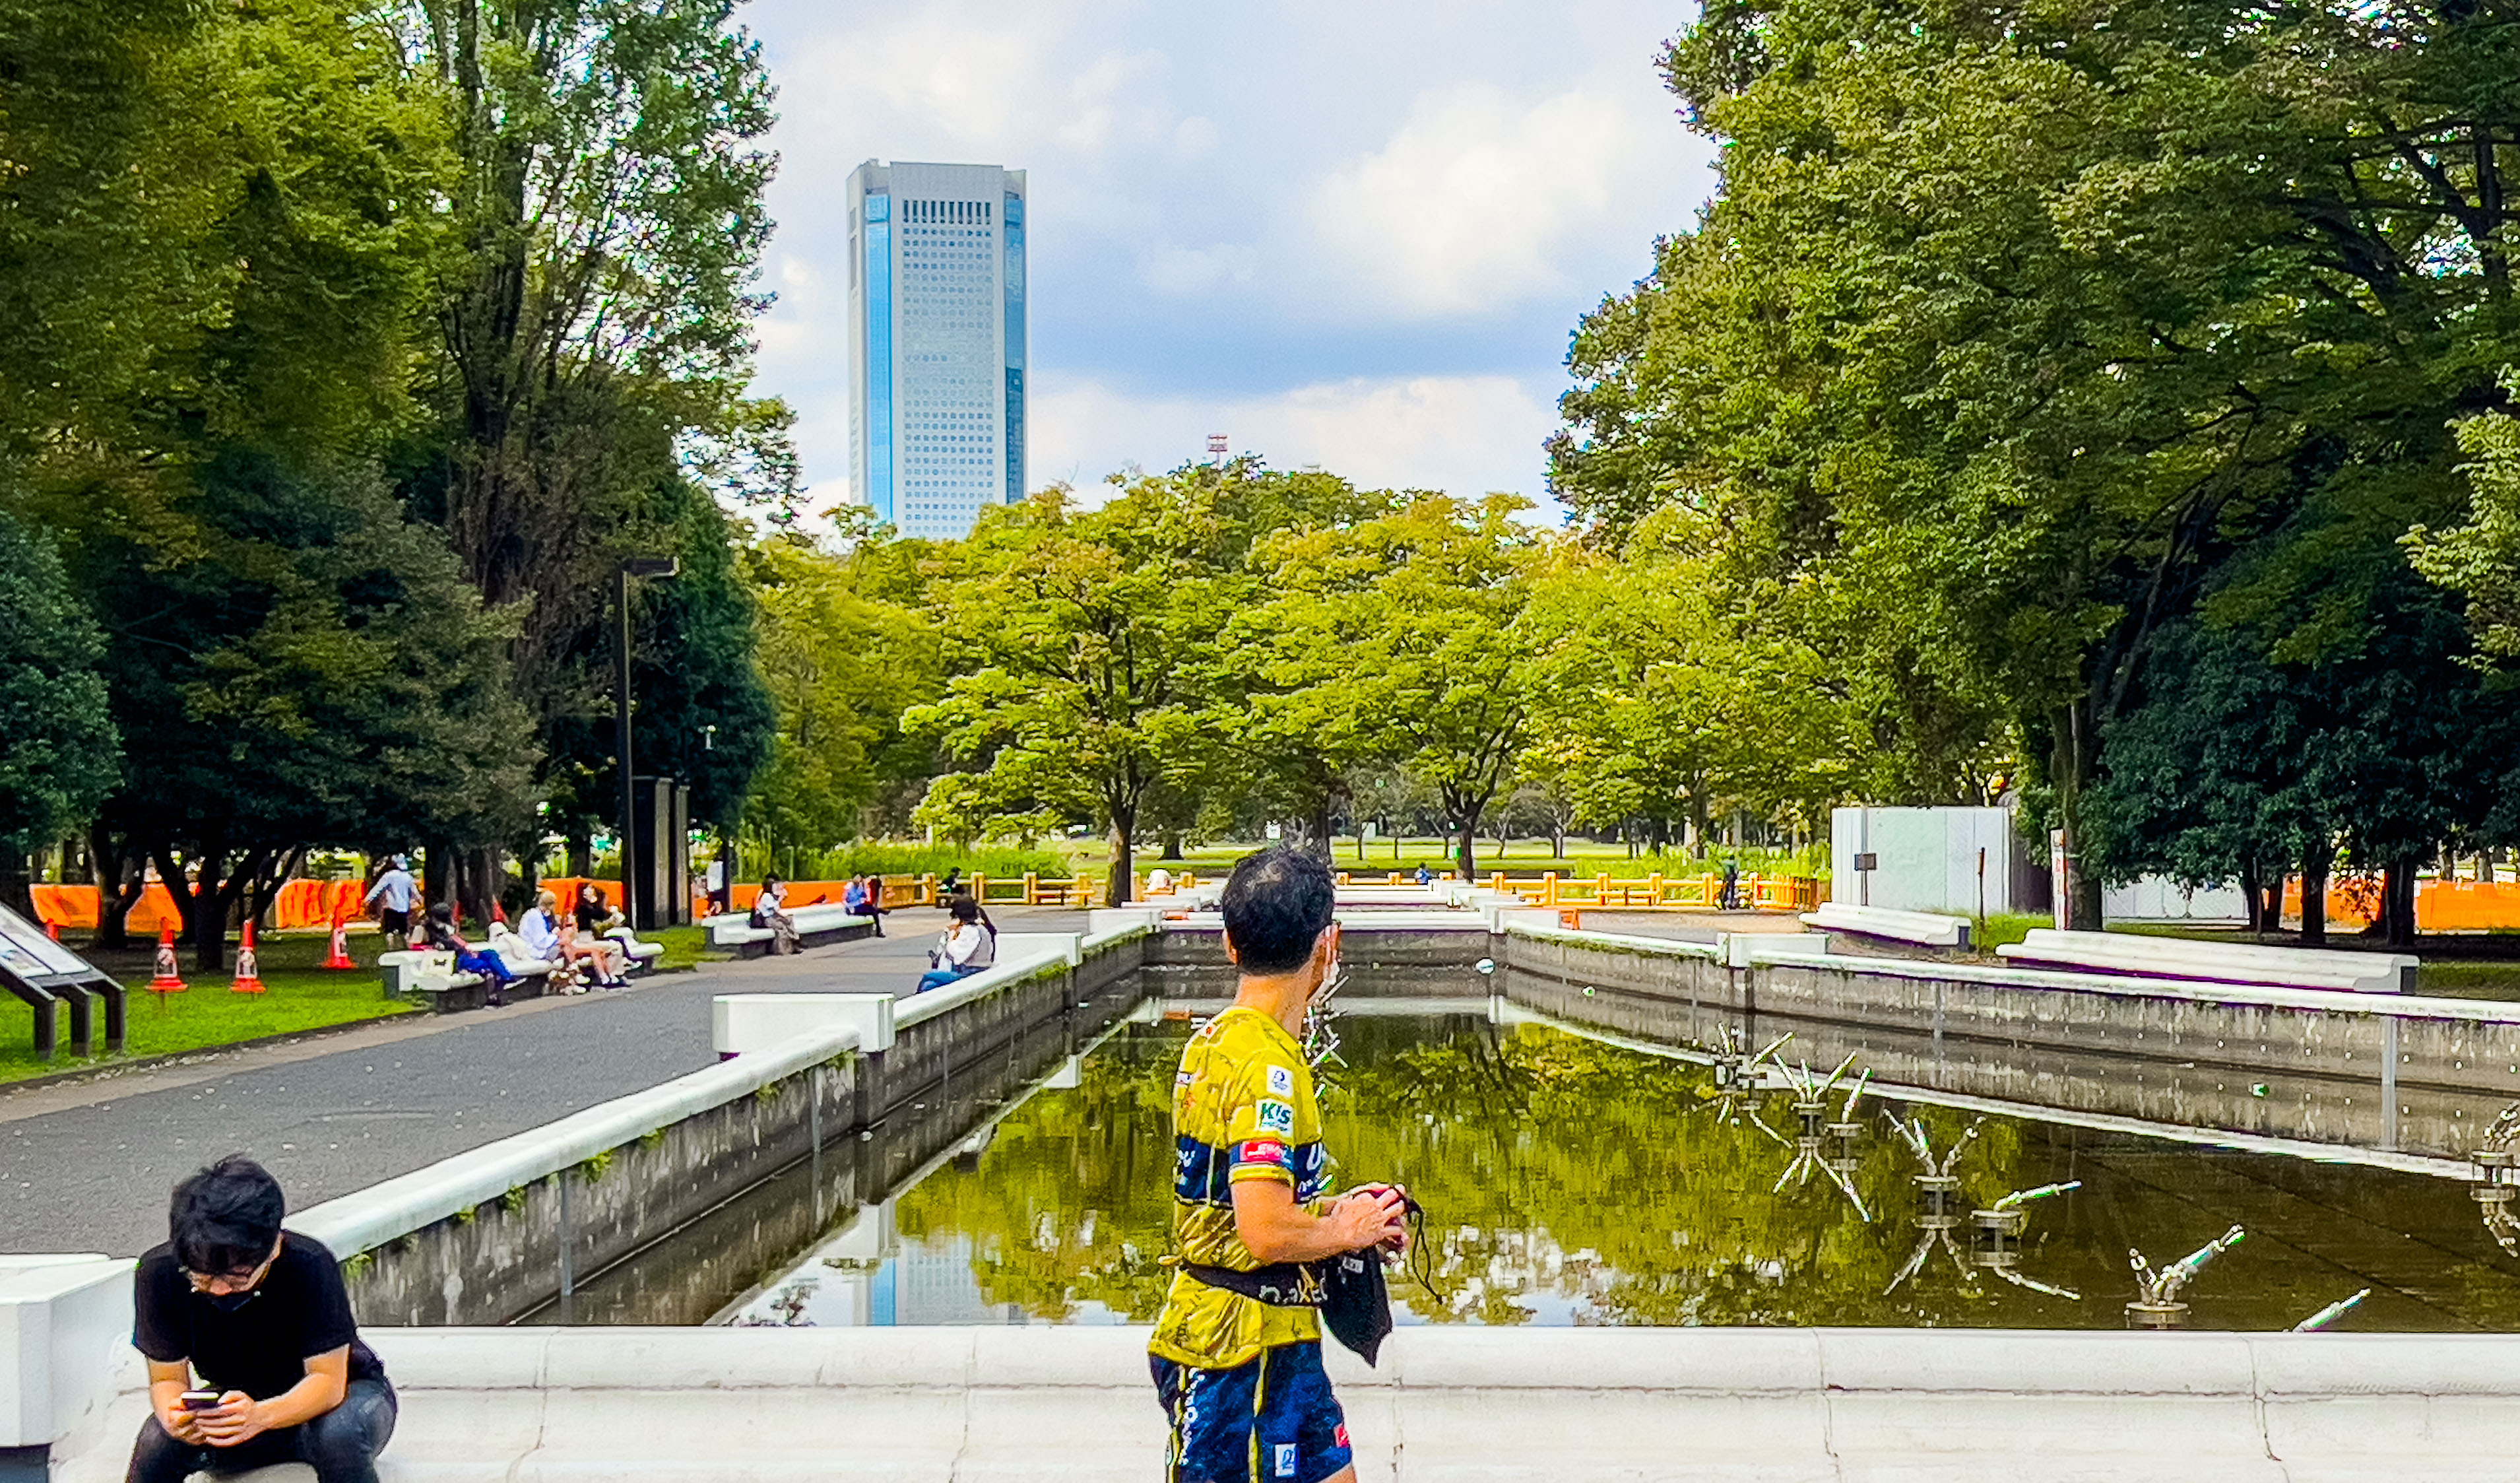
<point>1286,1459</point>
<point>1262,1150</point>
<point>1342,1435</point>
<point>1281,1081</point>
<point>1277,1116</point>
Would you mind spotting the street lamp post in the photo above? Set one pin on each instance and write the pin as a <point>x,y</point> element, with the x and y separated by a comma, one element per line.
<point>635,567</point>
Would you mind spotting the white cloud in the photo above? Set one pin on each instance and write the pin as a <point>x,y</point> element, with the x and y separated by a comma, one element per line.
<point>1351,235</point>
<point>1463,435</point>
<point>1466,205</point>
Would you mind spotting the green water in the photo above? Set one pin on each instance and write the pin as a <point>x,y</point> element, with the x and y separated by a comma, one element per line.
<point>1571,1182</point>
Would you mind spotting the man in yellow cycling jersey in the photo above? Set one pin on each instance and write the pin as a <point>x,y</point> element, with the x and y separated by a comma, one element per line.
<point>1238,1352</point>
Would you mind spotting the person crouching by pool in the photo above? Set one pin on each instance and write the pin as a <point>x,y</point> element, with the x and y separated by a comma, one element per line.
<point>969,945</point>
<point>1241,1378</point>
<point>261,1315</point>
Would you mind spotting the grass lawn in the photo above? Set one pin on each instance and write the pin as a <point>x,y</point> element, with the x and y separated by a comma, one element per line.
<point>1515,857</point>
<point>299,997</point>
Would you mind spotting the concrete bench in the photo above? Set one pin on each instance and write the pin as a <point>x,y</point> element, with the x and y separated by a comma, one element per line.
<point>640,955</point>
<point>2218,962</point>
<point>431,978</point>
<point>816,926</point>
<point>1926,929</point>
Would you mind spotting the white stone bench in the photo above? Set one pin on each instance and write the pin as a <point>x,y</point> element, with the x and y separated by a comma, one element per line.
<point>1926,929</point>
<point>429,976</point>
<point>817,926</point>
<point>641,955</point>
<point>2218,962</point>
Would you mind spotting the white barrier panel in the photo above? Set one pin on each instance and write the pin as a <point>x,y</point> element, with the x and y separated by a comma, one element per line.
<point>2220,961</point>
<point>1924,929</point>
<point>745,1023</point>
<point>64,1333</point>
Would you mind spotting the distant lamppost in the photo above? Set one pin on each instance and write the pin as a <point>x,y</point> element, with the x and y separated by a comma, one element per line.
<point>635,567</point>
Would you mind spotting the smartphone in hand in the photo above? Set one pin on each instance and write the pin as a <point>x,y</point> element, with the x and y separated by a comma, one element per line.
<point>200,1400</point>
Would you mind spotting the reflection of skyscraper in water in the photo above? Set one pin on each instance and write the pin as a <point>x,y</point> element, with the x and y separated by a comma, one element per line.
<point>936,341</point>
<point>934,1284</point>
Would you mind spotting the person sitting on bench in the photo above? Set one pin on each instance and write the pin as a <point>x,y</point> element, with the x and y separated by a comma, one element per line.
<point>444,938</point>
<point>554,938</point>
<point>969,946</point>
<point>262,1317</point>
<point>770,912</point>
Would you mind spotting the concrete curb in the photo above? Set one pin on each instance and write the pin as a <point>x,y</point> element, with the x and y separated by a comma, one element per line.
<point>1492,1403</point>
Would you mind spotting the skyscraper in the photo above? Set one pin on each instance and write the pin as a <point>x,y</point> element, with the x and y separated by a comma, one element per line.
<point>936,343</point>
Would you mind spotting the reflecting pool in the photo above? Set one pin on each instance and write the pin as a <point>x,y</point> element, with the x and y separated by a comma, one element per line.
<point>1567,1181</point>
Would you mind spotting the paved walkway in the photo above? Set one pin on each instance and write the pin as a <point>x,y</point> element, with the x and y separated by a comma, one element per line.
<point>86,1165</point>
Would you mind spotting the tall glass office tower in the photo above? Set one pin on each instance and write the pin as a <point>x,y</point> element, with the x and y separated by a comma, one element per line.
<point>936,343</point>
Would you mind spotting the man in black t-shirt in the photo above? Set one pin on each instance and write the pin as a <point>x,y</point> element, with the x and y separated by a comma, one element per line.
<point>261,1315</point>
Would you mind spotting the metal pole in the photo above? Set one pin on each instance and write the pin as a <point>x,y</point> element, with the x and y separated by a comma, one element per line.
<point>621,741</point>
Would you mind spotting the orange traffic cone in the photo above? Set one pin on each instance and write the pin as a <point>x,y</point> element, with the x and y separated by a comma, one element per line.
<point>249,972</point>
<point>340,957</point>
<point>167,980</point>
<point>53,929</point>
<point>497,911</point>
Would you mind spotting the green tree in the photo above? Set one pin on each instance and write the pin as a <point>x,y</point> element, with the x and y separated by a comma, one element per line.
<point>2009,330</point>
<point>596,328</point>
<point>2481,556</point>
<point>62,751</point>
<point>1408,631</point>
<point>843,662</point>
<point>317,673</point>
<point>1085,661</point>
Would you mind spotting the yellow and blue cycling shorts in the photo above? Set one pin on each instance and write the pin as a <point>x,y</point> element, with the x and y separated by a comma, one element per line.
<point>1272,1420</point>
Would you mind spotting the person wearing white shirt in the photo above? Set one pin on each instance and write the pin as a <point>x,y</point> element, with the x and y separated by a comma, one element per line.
<point>968,947</point>
<point>552,938</point>
<point>398,891</point>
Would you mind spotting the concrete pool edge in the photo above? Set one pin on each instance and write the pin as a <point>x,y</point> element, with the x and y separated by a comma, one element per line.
<point>1453,1402</point>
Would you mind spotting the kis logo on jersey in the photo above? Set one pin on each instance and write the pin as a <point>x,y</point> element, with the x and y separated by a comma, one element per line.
<point>1276,1117</point>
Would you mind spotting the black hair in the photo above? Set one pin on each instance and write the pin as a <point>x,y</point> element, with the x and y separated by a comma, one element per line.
<point>1276,903</point>
<point>223,1219</point>
<point>440,914</point>
<point>963,907</point>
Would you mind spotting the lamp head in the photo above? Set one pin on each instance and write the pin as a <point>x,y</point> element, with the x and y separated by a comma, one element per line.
<point>650,567</point>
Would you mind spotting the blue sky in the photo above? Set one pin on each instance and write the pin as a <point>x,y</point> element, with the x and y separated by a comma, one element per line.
<point>1347,235</point>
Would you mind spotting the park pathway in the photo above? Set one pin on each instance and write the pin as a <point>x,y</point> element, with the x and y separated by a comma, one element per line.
<point>86,1165</point>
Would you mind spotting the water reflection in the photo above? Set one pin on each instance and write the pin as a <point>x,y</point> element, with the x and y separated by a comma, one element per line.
<point>1568,1180</point>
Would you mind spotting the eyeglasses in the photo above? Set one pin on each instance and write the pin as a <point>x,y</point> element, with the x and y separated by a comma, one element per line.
<point>237,1285</point>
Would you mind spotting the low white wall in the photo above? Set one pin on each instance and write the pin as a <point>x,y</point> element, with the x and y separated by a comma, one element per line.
<point>1497,1405</point>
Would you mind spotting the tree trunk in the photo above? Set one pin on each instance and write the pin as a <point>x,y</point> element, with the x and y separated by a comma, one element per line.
<point>581,855</point>
<point>2315,864</point>
<point>1468,854</point>
<point>2397,903</point>
<point>17,884</point>
<point>115,894</point>
<point>1323,842</point>
<point>2485,867</point>
<point>476,875</point>
<point>1120,887</point>
<point>2250,893</point>
<point>1172,844</point>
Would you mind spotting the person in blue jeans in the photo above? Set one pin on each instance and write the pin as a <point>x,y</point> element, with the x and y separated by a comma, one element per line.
<point>969,946</point>
<point>443,937</point>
